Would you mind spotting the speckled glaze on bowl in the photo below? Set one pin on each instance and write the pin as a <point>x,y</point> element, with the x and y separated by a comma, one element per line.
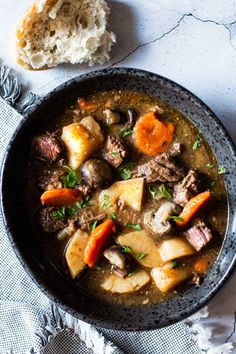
<point>28,248</point>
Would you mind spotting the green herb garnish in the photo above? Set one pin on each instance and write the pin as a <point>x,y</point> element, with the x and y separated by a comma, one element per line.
<point>124,170</point>
<point>71,179</point>
<point>125,174</point>
<point>85,202</point>
<point>210,165</point>
<point>221,170</point>
<point>71,212</point>
<point>141,255</point>
<point>93,225</point>
<point>115,154</point>
<point>113,216</point>
<point>126,132</point>
<point>97,267</point>
<point>175,264</point>
<point>134,226</point>
<point>59,214</point>
<point>153,190</point>
<point>164,192</point>
<point>63,211</point>
<point>127,249</point>
<point>212,184</point>
<point>176,217</point>
<point>198,142</point>
<point>130,274</point>
<point>106,199</point>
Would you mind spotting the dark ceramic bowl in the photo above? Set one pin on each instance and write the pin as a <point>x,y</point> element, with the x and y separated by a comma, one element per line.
<point>27,246</point>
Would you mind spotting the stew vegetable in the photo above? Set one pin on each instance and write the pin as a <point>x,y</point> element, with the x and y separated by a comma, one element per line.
<point>127,197</point>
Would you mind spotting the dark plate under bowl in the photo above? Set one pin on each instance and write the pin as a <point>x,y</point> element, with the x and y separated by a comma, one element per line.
<point>27,246</point>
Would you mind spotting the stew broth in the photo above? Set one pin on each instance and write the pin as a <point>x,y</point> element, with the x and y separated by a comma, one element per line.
<point>195,155</point>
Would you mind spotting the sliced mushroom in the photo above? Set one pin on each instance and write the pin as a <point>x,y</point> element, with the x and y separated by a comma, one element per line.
<point>158,221</point>
<point>121,273</point>
<point>121,262</point>
<point>97,173</point>
<point>113,117</point>
<point>132,116</point>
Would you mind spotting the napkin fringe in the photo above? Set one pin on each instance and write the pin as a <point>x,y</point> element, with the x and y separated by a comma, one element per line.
<point>59,321</point>
<point>30,100</point>
<point>100,345</point>
<point>202,335</point>
<point>10,85</point>
<point>11,91</point>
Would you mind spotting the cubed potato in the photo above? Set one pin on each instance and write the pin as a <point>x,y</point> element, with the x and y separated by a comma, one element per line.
<point>81,140</point>
<point>174,248</point>
<point>129,284</point>
<point>141,242</point>
<point>75,252</point>
<point>167,278</point>
<point>130,192</point>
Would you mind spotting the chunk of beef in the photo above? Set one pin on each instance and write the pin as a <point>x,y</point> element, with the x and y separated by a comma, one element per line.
<point>86,218</point>
<point>46,147</point>
<point>185,190</point>
<point>48,223</point>
<point>199,235</point>
<point>84,188</point>
<point>114,151</point>
<point>161,168</point>
<point>51,180</point>
<point>127,215</point>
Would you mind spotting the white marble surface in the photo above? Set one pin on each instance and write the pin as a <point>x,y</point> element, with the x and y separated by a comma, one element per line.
<point>190,42</point>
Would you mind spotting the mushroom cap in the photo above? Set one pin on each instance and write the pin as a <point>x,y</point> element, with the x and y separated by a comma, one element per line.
<point>157,221</point>
<point>97,173</point>
<point>121,262</point>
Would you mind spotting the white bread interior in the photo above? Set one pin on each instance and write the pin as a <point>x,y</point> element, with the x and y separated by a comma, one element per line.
<point>64,31</point>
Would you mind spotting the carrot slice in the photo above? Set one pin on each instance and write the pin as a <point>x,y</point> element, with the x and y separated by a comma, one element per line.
<point>151,135</point>
<point>192,207</point>
<point>200,266</point>
<point>61,197</point>
<point>97,241</point>
<point>87,105</point>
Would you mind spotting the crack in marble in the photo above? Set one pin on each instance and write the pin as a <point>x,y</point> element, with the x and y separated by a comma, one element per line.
<point>233,330</point>
<point>225,25</point>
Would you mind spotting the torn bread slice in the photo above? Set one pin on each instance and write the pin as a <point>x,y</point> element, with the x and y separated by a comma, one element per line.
<point>64,31</point>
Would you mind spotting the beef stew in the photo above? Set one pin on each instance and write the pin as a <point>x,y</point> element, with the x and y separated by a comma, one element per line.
<point>127,198</point>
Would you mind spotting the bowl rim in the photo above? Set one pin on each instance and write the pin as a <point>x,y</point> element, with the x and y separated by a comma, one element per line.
<point>35,277</point>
